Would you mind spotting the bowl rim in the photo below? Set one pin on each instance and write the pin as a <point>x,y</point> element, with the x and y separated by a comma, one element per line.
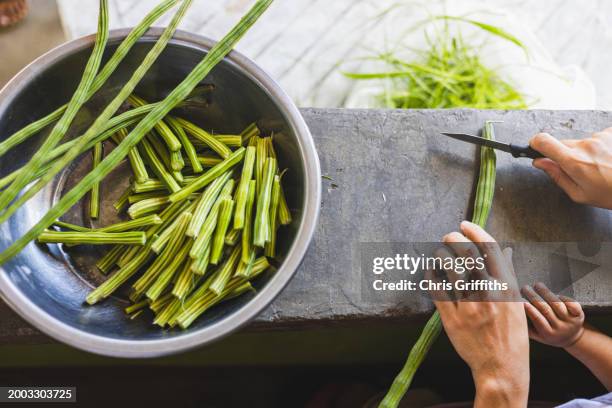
<point>113,347</point>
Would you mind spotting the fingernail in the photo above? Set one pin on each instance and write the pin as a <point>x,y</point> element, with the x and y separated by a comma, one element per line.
<point>465,224</point>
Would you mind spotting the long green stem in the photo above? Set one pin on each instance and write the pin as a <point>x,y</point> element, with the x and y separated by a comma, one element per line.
<point>118,56</point>
<point>212,58</point>
<point>102,120</point>
<point>61,127</point>
<point>485,190</point>
<point>160,127</point>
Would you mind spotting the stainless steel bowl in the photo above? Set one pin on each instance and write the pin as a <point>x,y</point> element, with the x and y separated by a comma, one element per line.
<point>47,287</point>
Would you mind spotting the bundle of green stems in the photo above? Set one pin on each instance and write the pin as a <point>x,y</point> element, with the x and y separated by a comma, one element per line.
<point>199,225</point>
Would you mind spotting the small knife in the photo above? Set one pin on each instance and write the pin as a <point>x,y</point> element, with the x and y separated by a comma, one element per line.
<point>514,149</point>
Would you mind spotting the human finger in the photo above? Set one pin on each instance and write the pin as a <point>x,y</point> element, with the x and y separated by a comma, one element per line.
<point>553,300</point>
<point>536,301</point>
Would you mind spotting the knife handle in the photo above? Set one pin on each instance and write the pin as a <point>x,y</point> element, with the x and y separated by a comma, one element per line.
<point>524,151</point>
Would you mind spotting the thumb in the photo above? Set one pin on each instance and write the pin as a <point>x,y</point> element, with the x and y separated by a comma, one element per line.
<point>550,147</point>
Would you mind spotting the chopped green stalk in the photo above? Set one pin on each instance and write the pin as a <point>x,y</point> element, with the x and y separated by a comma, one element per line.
<point>209,176</point>
<point>190,150</point>
<point>120,277</point>
<point>229,140</point>
<point>182,91</point>
<point>136,198</point>
<point>137,307</point>
<point>170,232</point>
<point>218,242</point>
<point>232,237</point>
<point>169,216</point>
<point>270,249</point>
<point>485,191</point>
<point>123,200</point>
<point>146,221</point>
<point>260,162</point>
<point>121,51</point>
<point>206,202</point>
<point>178,176</point>
<point>161,302</point>
<point>128,255</point>
<point>169,271</point>
<point>241,193</point>
<point>249,132</point>
<point>201,304</point>
<point>202,299</point>
<point>61,127</point>
<point>167,256</point>
<point>109,260</point>
<point>148,186</point>
<point>196,294</point>
<point>206,232</point>
<point>260,265</point>
<point>170,309</point>
<point>148,206</point>
<point>138,166</point>
<point>165,236</point>
<point>158,166</point>
<point>205,137</point>
<point>94,199</point>
<point>262,232</point>
<point>247,231</point>
<point>183,282</point>
<point>176,161</point>
<point>208,161</point>
<point>93,238</point>
<point>199,266</point>
<point>160,127</point>
<point>73,227</point>
<point>225,272</point>
<point>284,214</point>
<point>245,268</point>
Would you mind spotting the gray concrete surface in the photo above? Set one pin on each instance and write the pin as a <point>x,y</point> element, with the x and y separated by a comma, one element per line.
<point>396,180</point>
<point>40,31</point>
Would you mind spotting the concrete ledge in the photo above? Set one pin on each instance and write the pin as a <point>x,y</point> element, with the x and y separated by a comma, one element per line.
<point>394,179</point>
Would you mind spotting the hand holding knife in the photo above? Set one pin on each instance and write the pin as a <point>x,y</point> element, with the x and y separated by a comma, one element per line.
<point>514,149</point>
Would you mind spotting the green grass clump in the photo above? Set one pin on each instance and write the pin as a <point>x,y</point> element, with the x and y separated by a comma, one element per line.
<point>450,73</point>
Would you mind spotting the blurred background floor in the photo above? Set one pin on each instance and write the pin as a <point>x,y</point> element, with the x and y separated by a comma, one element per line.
<point>24,42</point>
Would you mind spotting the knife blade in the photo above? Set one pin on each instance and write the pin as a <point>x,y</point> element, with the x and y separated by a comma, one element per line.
<point>514,149</point>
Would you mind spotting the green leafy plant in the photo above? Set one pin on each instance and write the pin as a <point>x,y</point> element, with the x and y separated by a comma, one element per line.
<point>449,73</point>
